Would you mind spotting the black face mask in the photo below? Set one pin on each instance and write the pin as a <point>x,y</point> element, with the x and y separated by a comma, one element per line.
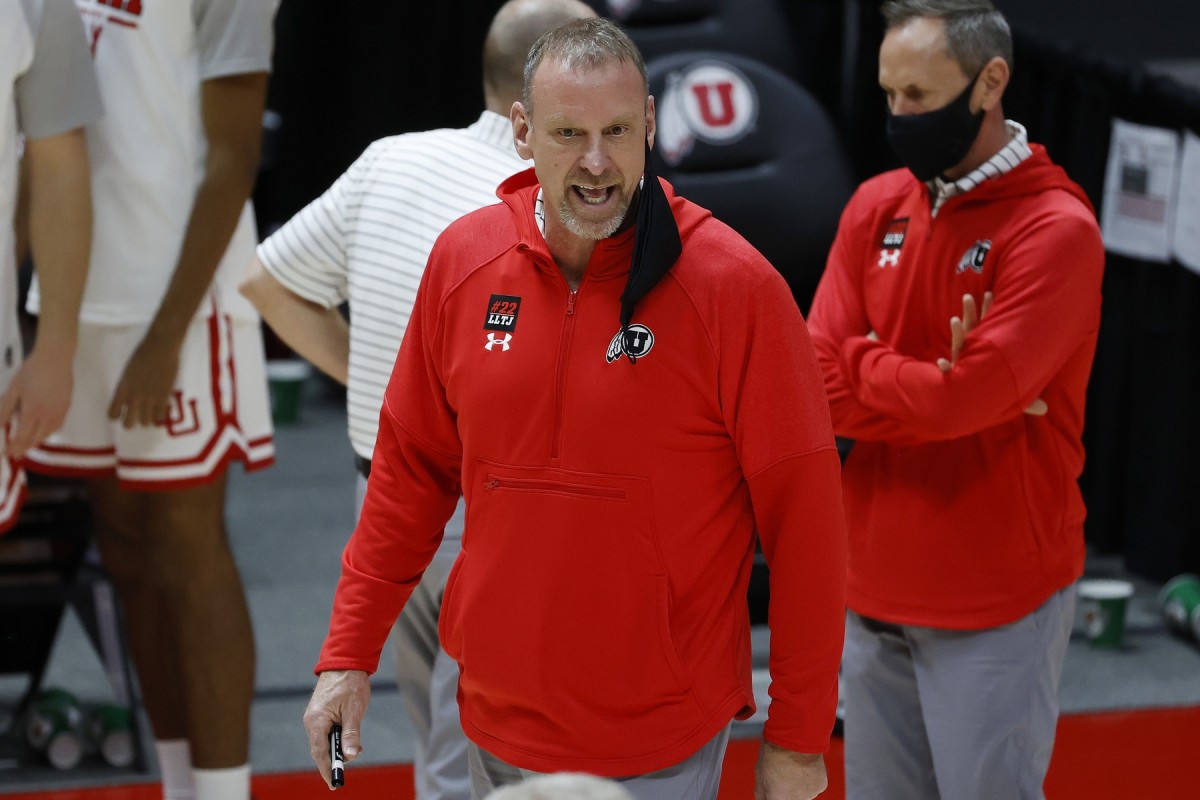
<point>933,142</point>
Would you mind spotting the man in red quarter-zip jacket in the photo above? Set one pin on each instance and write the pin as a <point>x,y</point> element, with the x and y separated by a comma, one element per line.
<point>964,515</point>
<point>625,393</point>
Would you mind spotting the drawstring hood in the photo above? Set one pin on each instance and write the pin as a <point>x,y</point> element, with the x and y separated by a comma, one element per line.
<point>657,246</point>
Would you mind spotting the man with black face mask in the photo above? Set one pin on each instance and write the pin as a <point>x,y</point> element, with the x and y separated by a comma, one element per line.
<point>956,324</point>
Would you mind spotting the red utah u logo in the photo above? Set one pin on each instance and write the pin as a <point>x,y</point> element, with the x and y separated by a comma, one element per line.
<point>182,416</point>
<point>724,96</point>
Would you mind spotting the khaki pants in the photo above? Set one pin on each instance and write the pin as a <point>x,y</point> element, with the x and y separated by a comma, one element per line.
<point>695,778</point>
<point>958,715</point>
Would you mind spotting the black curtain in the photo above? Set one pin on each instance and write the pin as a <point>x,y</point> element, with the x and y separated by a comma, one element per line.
<point>1142,479</point>
<point>346,74</point>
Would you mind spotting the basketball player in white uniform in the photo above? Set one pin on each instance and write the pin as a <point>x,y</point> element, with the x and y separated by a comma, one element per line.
<point>48,93</point>
<point>169,375</point>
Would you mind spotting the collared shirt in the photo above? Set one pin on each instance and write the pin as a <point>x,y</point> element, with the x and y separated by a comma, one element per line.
<point>1012,154</point>
<point>367,238</point>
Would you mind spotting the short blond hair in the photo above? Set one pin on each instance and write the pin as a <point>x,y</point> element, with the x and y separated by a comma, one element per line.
<point>582,44</point>
<point>975,31</point>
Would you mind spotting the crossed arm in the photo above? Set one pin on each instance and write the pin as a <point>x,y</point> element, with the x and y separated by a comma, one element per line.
<point>961,326</point>
<point>893,397</point>
<point>1044,308</point>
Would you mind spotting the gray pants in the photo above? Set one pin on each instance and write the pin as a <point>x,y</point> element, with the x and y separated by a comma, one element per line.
<point>427,678</point>
<point>962,715</point>
<point>695,778</point>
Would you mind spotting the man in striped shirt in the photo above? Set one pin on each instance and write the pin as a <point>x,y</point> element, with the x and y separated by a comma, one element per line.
<point>366,240</point>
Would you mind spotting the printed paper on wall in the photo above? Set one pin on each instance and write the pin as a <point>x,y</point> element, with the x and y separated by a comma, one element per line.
<point>1139,191</point>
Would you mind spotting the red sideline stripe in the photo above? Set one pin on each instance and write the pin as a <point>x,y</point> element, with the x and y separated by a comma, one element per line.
<point>1125,755</point>
<point>1102,756</point>
<point>392,781</point>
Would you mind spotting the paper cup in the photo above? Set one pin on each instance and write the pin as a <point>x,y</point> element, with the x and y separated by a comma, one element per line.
<point>1180,603</point>
<point>1104,603</point>
<point>286,379</point>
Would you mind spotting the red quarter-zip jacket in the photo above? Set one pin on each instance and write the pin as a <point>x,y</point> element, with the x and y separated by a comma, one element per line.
<point>963,511</point>
<point>598,608</point>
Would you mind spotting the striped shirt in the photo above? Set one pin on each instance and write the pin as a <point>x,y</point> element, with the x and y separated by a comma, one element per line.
<point>1013,153</point>
<point>367,238</point>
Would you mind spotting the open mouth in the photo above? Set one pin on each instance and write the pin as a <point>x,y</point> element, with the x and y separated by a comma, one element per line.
<point>593,195</point>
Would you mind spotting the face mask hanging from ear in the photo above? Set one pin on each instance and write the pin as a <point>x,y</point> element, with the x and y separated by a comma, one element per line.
<point>933,142</point>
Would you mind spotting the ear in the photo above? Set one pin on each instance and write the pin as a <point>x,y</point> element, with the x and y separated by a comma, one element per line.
<point>992,82</point>
<point>650,123</point>
<point>521,130</point>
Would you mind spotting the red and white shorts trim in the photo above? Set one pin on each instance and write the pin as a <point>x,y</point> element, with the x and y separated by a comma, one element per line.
<point>12,491</point>
<point>220,410</point>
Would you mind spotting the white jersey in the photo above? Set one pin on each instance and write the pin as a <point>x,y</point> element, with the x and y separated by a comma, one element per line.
<point>147,153</point>
<point>367,238</point>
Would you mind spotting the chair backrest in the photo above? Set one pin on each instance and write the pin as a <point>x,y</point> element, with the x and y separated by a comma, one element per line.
<point>755,148</point>
<point>756,28</point>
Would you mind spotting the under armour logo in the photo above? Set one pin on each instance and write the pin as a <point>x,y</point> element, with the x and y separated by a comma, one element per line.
<point>889,258</point>
<point>502,341</point>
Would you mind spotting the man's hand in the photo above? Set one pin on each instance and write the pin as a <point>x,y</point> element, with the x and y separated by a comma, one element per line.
<point>143,395</point>
<point>783,774</point>
<point>341,697</point>
<point>38,397</point>
<point>961,326</point>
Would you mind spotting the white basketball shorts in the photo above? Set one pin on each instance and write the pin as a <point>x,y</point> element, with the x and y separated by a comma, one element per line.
<point>220,410</point>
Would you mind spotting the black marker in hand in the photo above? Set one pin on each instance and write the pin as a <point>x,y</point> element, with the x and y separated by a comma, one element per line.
<point>338,775</point>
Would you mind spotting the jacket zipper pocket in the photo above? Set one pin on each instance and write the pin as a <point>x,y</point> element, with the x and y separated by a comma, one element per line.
<point>496,483</point>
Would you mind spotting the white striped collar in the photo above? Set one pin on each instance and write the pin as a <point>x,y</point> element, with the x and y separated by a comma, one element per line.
<point>1009,156</point>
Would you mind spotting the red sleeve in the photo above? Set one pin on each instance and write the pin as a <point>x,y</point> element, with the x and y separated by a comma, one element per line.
<point>798,509</point>
<point>775,405</point>
<point>1047,304</point>
<point>412,492</point>
<point>771,390</point>
<point>838,313</point>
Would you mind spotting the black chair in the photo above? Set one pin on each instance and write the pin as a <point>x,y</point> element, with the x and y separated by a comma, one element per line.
<point>756,28</point>
<point>44,568</point>
<point>755,148</point>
